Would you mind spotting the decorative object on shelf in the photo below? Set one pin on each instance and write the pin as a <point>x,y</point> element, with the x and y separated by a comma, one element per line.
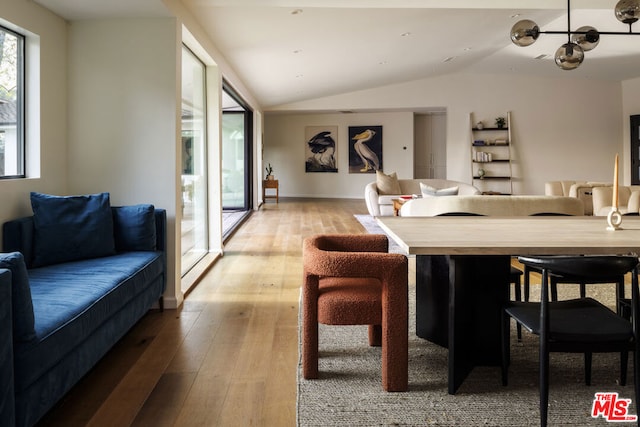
<point>481,173</point>
<point>479,126</point>
<point>570,55</point>
<point>500,122</point>
<point>269,170</point>
<point>614,218</point>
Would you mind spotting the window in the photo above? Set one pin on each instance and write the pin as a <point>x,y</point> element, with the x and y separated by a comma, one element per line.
<point>194,224</point>
<point>11,104</point>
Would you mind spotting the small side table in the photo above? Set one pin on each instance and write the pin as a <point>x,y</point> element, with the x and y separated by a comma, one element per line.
<point>270,183</point>
<point>397,204</point>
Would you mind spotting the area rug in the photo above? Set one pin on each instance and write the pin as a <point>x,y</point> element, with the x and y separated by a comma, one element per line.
<point>349,391</point>
<point>371,225</point>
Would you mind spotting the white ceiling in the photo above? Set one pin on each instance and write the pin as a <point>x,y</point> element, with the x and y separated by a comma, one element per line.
<point>287,51</point>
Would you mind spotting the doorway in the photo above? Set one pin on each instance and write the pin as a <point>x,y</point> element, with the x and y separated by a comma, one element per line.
<point>430,146</point>
<point>237,161</point>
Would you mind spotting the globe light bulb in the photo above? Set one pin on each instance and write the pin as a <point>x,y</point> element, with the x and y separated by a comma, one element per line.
<point>627,11</point>
<point>586,41</point>
<point>569,56</point>
<point>524,33</point>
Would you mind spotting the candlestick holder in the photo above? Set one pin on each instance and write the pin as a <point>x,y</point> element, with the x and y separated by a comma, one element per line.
<point>614,219</point>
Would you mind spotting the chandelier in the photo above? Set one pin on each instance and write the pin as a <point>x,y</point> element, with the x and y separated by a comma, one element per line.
<point>570,55</point>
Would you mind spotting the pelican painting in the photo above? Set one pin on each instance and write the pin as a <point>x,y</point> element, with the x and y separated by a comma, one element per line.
<point>321,149</point>
<point>366,153</point>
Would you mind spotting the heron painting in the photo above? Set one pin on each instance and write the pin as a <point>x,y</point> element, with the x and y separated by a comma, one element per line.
<point>321,149</point>
<point>365,149</point>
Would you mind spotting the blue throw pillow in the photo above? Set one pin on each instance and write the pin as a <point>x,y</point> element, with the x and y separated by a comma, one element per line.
<point>21,304</point>
<point>68,228</point>
<point>134,228</point>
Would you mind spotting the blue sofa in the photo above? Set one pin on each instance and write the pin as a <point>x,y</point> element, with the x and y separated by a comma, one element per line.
<point>76,302</point>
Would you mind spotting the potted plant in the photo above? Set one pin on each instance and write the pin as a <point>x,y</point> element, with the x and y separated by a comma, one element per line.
<point>269,170</point>
<point>500,122</point>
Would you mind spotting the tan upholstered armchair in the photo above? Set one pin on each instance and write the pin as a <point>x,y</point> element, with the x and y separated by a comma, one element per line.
<point>628,199</point>
<point>582,190</point>
<point>352,280</point>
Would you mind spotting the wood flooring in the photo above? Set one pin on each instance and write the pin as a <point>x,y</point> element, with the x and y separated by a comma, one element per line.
<point>228,356</point>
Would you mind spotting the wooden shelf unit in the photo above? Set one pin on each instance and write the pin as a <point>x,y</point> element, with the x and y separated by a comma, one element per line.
<point>493,156</point>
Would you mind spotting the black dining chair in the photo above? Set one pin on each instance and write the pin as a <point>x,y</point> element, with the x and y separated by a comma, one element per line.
<point>581,325</point>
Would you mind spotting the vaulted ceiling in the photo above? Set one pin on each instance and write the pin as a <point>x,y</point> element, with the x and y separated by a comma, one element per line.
<point>287,51</point>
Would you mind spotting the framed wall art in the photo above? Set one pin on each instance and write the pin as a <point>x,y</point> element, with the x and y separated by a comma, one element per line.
<point>365,149</point>
<point>321,149</point>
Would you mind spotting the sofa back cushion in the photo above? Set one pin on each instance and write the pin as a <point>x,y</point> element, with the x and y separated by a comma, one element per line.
<point>134,228</point>
<point>68,228</point>
<point>387,184</point>
<point>21,303</point>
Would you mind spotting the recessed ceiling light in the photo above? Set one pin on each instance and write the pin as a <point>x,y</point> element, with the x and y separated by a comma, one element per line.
<point>515,15</point>
<point>542,56</point>
<point>407,34</point>
<point>449,59</point>
<point>296,11</point>
<point>297,51</point>
<point>383,63</point>
<point>299,76</point>
<point>467,49</point>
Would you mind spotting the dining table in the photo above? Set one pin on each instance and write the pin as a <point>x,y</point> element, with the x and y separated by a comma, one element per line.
<point>463,266</point>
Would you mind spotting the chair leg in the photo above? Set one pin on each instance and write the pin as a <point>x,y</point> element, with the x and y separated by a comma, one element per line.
<point>588,357</point>
<point>375,335</point>
<point>624,362</point>
<point>506,347</point>
<point>310,339</point>
<point>395,348</point>
<point>518,296</point>
<point>583,290</point>
<point>527,273</point>
<point>554,289</point>
<point>544,384</point>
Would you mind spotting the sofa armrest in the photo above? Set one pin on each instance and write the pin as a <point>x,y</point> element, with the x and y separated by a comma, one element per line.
<point>7,395</point>
<point>371,199</point>
<point>17,236</point>
<point>602,197</point>
<point>161,240</point>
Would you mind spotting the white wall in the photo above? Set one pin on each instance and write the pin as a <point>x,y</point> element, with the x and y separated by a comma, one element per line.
<point>124,108</point>
<point>47,116</point>
<point>285,149</point>
<point>562,128</point>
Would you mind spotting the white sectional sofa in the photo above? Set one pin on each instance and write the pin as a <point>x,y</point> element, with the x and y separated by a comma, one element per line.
<point>493,205</point>
<point>382,204</point>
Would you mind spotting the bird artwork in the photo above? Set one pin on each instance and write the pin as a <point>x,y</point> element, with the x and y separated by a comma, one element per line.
<point>323,148</point>
<point>369,158</point>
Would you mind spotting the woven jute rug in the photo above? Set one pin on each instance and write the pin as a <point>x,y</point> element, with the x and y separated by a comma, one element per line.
<point>349,391</point>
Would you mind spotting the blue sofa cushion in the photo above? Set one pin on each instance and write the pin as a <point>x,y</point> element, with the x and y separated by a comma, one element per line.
<point>71,300</point>
<point>22,307</point>
<point>134,228</point>
<point>69,228</point>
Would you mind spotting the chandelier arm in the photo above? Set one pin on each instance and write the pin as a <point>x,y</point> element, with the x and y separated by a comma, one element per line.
<point>606,33</point>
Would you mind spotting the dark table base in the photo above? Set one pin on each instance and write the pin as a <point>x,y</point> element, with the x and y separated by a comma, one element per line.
<point>458,304</point>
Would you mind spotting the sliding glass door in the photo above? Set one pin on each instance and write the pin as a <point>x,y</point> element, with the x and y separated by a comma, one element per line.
<point>236,158</point>
<point>194,224</point>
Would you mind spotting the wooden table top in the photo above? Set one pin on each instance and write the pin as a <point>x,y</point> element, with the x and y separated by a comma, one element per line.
<point>531,235</point>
